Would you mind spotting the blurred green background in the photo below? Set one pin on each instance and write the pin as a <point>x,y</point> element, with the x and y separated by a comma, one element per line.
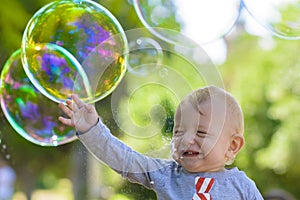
<point>265,80</point>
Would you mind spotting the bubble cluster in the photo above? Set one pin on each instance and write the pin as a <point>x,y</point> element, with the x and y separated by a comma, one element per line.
<point>78,46</point>
<point>67,47</point>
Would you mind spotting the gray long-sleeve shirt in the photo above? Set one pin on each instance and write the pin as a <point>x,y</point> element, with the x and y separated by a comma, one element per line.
<point>169,180</point>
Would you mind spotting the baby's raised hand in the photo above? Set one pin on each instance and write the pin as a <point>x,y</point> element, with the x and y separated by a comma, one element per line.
<point>82,116</point>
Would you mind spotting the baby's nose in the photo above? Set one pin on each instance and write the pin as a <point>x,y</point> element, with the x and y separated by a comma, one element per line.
<point>189,139</point>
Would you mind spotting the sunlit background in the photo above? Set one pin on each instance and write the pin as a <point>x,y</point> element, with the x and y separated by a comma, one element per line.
<point>158,51</point>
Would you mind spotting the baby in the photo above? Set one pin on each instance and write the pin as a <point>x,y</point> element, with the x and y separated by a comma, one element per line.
<point>207,135</point>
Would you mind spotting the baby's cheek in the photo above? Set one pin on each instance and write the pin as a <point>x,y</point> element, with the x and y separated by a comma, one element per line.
<point>175,148</point>
<point>201,142</point>
<point>207,146</point>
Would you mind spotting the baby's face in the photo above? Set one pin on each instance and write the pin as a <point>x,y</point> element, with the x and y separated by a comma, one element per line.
<point>200,138</point>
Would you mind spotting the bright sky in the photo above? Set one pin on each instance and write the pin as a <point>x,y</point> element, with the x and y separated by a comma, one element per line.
<point>208,20</point>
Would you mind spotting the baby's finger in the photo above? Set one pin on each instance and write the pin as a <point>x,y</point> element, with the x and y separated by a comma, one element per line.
<point>90,108</point>
<point>66,121</point>
<point>77,100</point>
<point>65,109</point>
<point>71,105</point>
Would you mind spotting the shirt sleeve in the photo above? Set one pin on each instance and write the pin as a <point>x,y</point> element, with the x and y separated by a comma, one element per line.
<point>250,188</point>
<point>105,147</point>
<point>255,193</point>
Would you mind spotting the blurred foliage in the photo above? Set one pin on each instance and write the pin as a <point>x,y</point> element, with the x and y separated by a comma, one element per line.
<point>264,79</point>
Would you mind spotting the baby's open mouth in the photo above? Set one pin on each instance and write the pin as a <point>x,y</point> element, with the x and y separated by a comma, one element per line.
<point>190,153</point>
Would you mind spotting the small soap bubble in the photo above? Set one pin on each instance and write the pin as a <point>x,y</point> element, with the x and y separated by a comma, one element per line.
<point>7,156</point>
<point>163,72</point>
<point>144,52</point>
<point>28,111</point>
<point>90,34</point>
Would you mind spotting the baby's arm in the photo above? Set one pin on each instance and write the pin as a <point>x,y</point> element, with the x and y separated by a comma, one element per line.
<point>121,158</point>
<point>104,146</point>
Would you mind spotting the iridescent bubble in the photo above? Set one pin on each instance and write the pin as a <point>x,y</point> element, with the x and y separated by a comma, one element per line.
<point>144,51</point>
<point>87,31</point>
<point>29,112</point>
<point>57,69</point>
<point>281,17</point>
<point>201,21</point>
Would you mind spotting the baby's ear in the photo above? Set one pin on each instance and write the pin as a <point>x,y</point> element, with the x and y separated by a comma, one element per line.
<point>236,143</point>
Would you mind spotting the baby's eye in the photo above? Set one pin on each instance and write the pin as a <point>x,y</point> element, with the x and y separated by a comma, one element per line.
<point>178,132</point>
<point>201,133</point>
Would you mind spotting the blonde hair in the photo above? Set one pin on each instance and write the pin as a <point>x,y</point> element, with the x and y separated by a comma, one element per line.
<point>232,108</point>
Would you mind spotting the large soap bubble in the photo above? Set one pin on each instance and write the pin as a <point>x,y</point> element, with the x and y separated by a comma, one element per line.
<point>143,105</point>
<point>280,17</point>
<point>57,69</point>
<point>87,31</point>
<point>28,111</point>
<point>201,21</point>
